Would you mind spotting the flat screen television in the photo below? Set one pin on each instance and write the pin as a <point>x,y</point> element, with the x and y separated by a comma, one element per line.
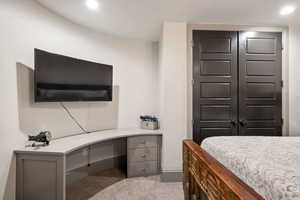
<point>60,78</point>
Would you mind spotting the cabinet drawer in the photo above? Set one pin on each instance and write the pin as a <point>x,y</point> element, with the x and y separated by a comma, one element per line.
<point>107,149</point>
<point>142,154</point>
<point>77,159</point>
<point>143,169</point>
<point>142,141</point>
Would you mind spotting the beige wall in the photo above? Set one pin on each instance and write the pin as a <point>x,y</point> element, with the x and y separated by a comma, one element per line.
<point>173,82</point>
<point>25,26</point>
<point>294,80</point>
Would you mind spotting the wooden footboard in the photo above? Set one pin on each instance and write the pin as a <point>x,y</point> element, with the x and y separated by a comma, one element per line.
<point>206,178</point>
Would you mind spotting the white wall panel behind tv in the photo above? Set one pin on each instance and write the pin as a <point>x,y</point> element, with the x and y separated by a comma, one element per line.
<point>34,117</point>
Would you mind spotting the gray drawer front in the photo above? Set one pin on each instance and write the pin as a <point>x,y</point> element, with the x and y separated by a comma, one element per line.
<point>107,149</point>
<point>142,142</point>
<point>143,169</point>
<point>77,159</point>
<point>141,155</point>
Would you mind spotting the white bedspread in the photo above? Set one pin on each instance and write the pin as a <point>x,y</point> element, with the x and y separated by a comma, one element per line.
<point>270,165</point>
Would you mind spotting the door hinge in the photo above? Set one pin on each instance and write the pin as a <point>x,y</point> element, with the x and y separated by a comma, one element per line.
<point>193,82</point>
<point>281,83</point>
<point>282,121</point>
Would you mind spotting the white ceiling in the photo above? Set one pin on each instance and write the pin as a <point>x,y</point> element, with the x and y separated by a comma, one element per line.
<point>143,18</point>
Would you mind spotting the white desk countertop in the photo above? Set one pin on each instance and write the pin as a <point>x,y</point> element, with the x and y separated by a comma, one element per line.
<point>71,143</point>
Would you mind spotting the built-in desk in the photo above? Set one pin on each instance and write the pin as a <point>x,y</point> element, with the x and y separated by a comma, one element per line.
<point>41,172</point>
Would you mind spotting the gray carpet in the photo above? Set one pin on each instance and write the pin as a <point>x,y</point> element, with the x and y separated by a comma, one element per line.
<point>90,185</point>
<point>142,188</point>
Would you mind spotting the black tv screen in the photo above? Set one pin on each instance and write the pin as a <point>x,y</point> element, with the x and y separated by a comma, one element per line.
<point>61,78</point>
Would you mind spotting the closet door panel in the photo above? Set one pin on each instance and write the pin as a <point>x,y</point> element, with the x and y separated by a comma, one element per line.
<point>260,60</point>
<point>215,84</point>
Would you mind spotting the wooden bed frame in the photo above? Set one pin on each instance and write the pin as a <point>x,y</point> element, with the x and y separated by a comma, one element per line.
<point>207,179</point>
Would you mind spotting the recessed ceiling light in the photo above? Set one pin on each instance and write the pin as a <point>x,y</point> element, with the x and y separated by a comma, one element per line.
<point>92,4</point>
<point>287,10</point>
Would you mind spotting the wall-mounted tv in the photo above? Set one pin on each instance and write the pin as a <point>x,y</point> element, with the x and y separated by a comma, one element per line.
<point>60,78</point>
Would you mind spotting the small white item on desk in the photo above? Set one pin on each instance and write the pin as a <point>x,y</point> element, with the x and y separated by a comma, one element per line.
<point>149,125</point>
<point>35,144</point>
<point>149,122</point>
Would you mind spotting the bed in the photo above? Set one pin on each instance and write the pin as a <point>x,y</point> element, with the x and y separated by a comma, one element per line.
<point>242,168</point>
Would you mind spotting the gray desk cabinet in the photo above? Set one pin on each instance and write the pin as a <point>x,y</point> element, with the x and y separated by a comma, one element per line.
<point>40,177</point>
<point>143,155</point>
<point>42,174</point>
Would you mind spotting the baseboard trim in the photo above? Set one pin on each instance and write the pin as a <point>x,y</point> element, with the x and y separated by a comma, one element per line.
<point>171,177</point>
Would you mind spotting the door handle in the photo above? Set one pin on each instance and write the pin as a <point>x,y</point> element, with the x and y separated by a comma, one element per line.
<point>243,122</point>
<point>233,122</point>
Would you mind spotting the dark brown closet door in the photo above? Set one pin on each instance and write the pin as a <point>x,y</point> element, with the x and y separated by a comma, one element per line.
<point>260,89</point>
<point>215,84</point>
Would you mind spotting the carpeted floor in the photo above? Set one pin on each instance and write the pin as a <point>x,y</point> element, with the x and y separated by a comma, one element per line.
<point>113,185</point>
<point>142,188</point>
<point>91,185</point>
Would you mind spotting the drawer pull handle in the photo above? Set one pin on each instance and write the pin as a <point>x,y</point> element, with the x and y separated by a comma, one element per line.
<point>143,156</point>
